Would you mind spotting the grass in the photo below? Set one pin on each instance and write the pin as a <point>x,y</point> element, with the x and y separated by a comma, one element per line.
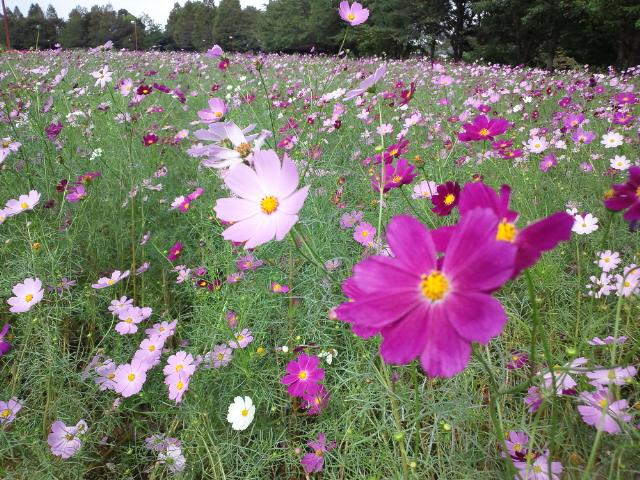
<point>442,425</point>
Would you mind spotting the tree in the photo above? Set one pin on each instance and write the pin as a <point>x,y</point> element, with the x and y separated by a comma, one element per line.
<point>228,27</point>
<point>74,33</point>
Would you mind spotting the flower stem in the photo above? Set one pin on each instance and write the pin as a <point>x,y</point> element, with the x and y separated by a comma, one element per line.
<point>592,456</point>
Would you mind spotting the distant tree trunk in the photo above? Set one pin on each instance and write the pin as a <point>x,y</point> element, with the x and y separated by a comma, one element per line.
<point>6,26</point>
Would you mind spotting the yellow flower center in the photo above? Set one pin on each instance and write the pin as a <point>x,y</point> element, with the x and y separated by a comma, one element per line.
<point>111,376</point>
<point>269,204</point>
<point>638,192</point>
<point>515,358</point>
<point>179,367</point>
<point>28,298</point>
<point>396,179</point>
<point>364,233</point>
<point>5,413</point>
<point>434,286</point>
<point>506,231</point>
<point>109,282</point>
<point>131,377</point>
<point>69,437</point>
<point>277,287</point>
<point>351,17</point>
<point>239,337</point>
<point>244,149</point>
<point>5,144</point>
<point>302,375</point>
<point>244,412</point>
<point>516,447</point>
<point>151,348</point>
<point>483,132</point>
<point>449,199</point>
<point>611,375</point>
<point>129,320</point>
<point>537,468</point>
<point>318,453</point>
<point>179,385</point>
<point>219,356</point>
<point>217,114</point>
<point>602,403</point>
<point>24,205</point>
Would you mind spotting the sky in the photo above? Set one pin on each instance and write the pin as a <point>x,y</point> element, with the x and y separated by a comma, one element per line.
<point>156,9</point>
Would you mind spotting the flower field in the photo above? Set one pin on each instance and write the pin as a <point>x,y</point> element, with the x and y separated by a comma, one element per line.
<point>248,266</point>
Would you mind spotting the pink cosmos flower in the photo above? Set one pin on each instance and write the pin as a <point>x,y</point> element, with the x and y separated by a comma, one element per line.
<point>130,317</point>
<point>430,307</point>
<point>607,341</point>
<point>364,234</point>
<point>349,219</point>
<point>65,441</point>
<point>164,329</point>
<point>483,128</point>
<point>27,294</point>
<point>313,462</point>
<point>130,377</point>
<point>538,469</point>
<point>118,305</point>
<point>4,345</point>
<point>220,356</point>
<point>115,277</point>
<point>367,83</point>
<point>354,14</point>
<point>316,401</point>
<point>22,204</point>
<point>217,109</point>
<point>6,147</point>
<point>424,189</point>
<point>242,339</point>
<point>603,412</point>
<point>178,385</point>
<point>303,375</point>
<point>180,363</point>
<point>8,410</point>
<point>174,251</point>
<point>269,202</point>
<point>533,400</point>
<point>279,288</point>
<point>614,376</point>
<point>149,351</point>
<point>106,374</point>
<point>76,193</point>
<point>214,52</point>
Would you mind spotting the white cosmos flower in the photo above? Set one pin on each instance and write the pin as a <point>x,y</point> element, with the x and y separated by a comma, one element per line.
<point>585,224</point>
<point>241,413</point>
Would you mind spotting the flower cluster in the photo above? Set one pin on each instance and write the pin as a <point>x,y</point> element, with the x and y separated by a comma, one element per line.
<point>303,380</point>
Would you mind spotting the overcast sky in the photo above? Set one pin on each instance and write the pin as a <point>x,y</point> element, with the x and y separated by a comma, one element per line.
<point>156,9</point>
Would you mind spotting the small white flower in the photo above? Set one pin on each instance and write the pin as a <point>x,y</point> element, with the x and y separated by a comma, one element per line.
<point>620,162</point>
<point>583,225</point>
<point>285,349</point>
<point>328,355</point>
<point>241,413</point>
<point>537,144</point>
<point>608,260</point>
<point>611,140</point>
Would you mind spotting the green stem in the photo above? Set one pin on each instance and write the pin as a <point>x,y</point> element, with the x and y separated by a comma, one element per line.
<point>579,297</point>
<point>266,97</point>
<point>536,325</point>
<point>382,180</point>
<point>396,418</point>
<point>592,455</point>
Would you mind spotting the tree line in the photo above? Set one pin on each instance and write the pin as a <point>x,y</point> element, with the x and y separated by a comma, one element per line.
<point>549,33</point>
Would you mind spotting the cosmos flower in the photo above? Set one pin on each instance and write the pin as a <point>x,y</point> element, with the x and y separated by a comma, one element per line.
<point>214,52</point>
<point>178,385</point>
<point>279,288</point>
<point>367,83</point>
<point>130,317</point>
<point>585,224</point>
<point>65,441</point>
<point>303,375</point>
<point>268,202</point>
<point>608,260</point>
<point>217,109</point>
<point>538,469</point>
<point>241,413</point>
<point>244,146</point>
<point>174,459</point>
<point>130,377</point>
<point>531,241</point>
<point>402,173</point>
<point>626,196</point>
<point>349,219</point>
<point>6,147</point>
<point>607,341</point>
<point>603,412</point>
<point>440,295</point>
<point>354,14</point>
<point>115,277</point>
<point>614,376</point>
<point>174,251</point>
<point>5,346</point>
<point>483,128</point>
<point>180,363</point>
<point>220,356</point>
<point>547,162</point>
<point>611,140</point>
<point>102,76</point>
<point>364,234</point>
<point>8,410</point>
<point>620,162</point>
<point>314,402</point>
<point>27,294</point>
<point>313,462</point>
<point>424,189</point>
<point>446,198</point>
<point>242,339</point>
<point>22,204</point>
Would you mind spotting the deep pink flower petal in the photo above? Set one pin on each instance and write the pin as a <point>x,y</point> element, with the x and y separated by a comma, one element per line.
<point>405,340</point>
<point>541,236</point>
<point>475,316</point>
<point>411,243</point>
<point>376,311</point>
<point>446,353</point>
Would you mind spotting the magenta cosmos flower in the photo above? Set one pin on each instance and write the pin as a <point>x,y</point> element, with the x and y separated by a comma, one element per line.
<point>268,202</point>
<point>626,196</point>
<point>4,345</point>
<point>430,307</point>
<point>446,198</point>
<point>354,14</point>
<point>174,251</point>
<point>483,129</point>
<point>603,412</point>
<point>313,462</point>
<point>530,241</point>
<point>27,294</point>
<point>303,375</point>
<point>65,441</point>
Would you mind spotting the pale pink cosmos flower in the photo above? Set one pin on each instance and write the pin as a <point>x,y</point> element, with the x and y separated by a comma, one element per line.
<point>27,294</point>
<point>130,377</point>
<point>6,147</point>
<point>608,260</point>
<point>354,14</point>
<point>118,306</point>
<point>595,341</point>
<point>424,189</point>
<point>129,319</point>
<point>105,282</point>
<point>214,52</point>
<point>563,381</point>
<point>106,375</point>
<point>4,214</point>
<point>217,109</point>
<point>242,339</point>
<point>603,412</point>
<point>613,376</point>
<point>180,363</point>
<point>22,204</point>
<point>269,202</point>
<point>367,83</point>
<point>164,329</point>
<point>65,441</point>
<point>8,410</point>
<point>178,385</point>
<point>102,76</point>
<point>149,351</point>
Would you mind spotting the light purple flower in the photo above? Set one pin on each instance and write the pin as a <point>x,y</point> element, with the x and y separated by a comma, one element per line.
<point>602,412</point>
<point>65,441</point>
<point>115,277</point>
<point>313,462</point>
<point>27,294</point>
<point>613,376</point>
<point>130,377</point>
<point>354,14</point>
<point>8,410</point>
<point>242,339</point>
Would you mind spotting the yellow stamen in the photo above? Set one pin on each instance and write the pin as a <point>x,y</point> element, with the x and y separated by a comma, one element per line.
<point>131,377</point>
<point>28,298</point>
<point>434,286</point>
<point>5,413</point>
<point>396,179</point>
<point>24,205</point>
<point>179,385</point>
<point>244,149</point>
<point>506,231</point>
<point>217,114</point>
<point>244,412</point>
<point>449,199</point>
<point>269,204</point>
<point>351,17</point>
<point>483,132</point>
<point>302,375</point>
